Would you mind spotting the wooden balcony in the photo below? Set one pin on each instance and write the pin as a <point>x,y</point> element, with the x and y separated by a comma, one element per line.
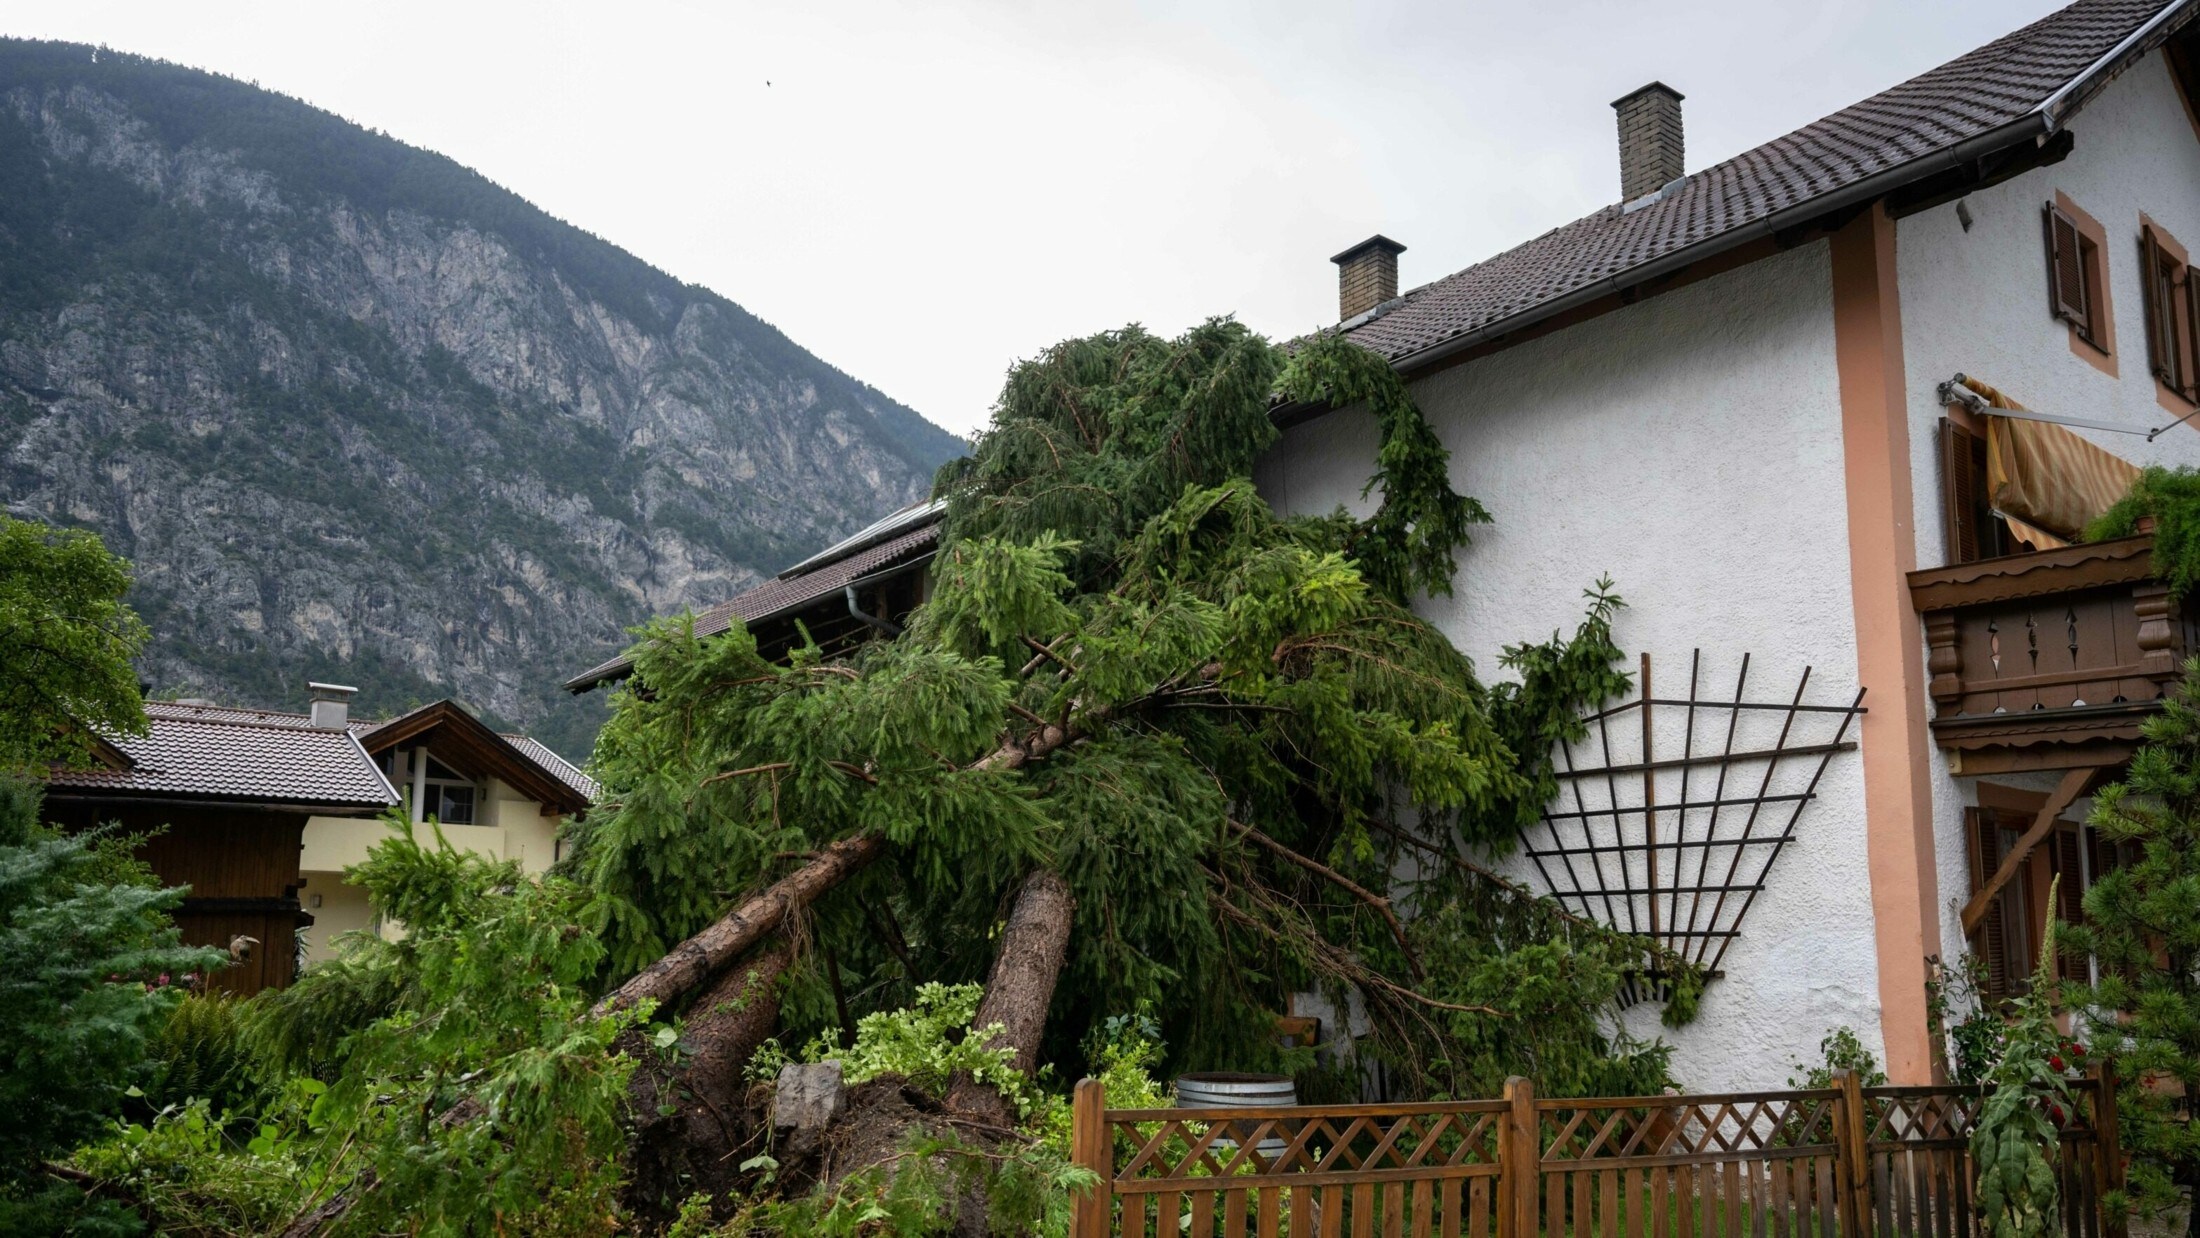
<point>2049,660</point>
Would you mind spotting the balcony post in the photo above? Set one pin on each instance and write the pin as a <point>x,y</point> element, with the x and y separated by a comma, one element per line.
<point>2157,638</point>
<point>1943,659</point>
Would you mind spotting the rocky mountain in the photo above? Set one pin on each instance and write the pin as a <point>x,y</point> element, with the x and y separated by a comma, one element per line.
<point>355,412</point>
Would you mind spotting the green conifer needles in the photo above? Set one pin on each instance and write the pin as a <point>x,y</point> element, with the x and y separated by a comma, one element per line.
<point>1222,728</point>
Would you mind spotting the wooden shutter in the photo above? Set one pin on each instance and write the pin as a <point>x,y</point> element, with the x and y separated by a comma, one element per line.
<point>1961,482</point>
<point>2160,280</point>
<point>2066,272</point>
<point>1991,941</point>
<point>2192,334</point>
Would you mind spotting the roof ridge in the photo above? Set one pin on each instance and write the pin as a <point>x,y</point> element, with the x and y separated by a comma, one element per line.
<point>255,724</point>
<point>2041,72</point>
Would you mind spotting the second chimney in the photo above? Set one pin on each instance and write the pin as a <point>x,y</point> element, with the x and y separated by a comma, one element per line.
<point>330,705</point>
<point>1367,275</point>
<point>1650,155</point>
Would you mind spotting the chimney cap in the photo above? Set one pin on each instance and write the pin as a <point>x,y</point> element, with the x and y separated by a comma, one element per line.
<point>1377,241</point>
<point>329,691</point>
<point>1643,90</point>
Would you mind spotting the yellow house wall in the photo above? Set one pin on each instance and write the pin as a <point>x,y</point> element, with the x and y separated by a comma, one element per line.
<point>337,907</point>
<point>511,827</point>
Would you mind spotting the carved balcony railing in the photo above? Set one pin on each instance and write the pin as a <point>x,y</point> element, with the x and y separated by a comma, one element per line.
<point>2049,660</point>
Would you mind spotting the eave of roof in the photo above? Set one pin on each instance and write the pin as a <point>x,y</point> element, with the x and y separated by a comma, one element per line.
<point>1940,120</point>
<point>471,742</point>
<point>786,594</point>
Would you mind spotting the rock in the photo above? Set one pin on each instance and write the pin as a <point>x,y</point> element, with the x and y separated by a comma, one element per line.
<point>366,410</point>
<point>808,1096</point>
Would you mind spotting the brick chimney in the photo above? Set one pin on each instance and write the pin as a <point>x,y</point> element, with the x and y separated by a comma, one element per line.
<point>1650,155</point>
<point>1367,275</point>
<point>330,704</point>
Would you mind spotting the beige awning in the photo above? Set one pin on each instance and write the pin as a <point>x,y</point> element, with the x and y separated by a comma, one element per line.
<point>2044,481</point>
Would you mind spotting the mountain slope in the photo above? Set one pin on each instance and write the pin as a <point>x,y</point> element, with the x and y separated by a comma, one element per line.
<point>354,411</point>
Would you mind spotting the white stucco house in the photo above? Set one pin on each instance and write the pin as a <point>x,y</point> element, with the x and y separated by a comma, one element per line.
<point>1736,391</point>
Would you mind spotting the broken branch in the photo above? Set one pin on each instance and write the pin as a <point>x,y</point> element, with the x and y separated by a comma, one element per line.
<point>1380,904</point>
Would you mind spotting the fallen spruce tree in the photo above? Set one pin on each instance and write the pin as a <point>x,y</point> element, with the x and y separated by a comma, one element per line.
<point>1150,759</point>
<point>1149,747</point>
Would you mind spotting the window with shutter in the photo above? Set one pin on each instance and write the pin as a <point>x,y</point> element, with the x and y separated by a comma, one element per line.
<point>2165,284</point>
<point>1967,509</point>
<point>1999,940</point>
<point>2067,271</point>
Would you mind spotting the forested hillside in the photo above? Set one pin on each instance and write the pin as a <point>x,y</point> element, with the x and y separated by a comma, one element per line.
<point>355,412</point>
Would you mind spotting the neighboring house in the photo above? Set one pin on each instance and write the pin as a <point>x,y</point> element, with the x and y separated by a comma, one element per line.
<point>865,584</point>
<point>1734,391</point>
<point>259,811</point>
<point>502,796</point>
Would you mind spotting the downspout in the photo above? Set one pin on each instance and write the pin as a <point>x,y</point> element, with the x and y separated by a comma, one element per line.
<point>855,610</point>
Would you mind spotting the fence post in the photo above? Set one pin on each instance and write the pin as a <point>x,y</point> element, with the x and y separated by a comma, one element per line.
<point>1090,1147</point>
<point>2108,1145</point>
<point>1853,1172</point>
<point>1521,1161</point>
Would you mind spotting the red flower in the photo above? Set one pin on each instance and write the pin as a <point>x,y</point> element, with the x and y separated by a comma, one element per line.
<point>2057,1062</point>
<point>2055,1111</point>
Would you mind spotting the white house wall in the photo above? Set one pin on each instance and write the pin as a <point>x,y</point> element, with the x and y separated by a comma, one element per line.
<point>1976,302</point>
<point>1689,446</point>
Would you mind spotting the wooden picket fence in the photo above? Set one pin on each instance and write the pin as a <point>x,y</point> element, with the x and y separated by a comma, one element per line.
<point>1846,1160</point>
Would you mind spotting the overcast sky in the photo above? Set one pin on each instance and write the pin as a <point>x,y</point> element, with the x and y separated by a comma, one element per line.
<point>922,193</point>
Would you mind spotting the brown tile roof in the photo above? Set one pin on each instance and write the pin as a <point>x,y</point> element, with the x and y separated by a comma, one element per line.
<point>192,752</point>
<point>821,576</point>
<point>558,767</point>
<point>217,746</point>
<point>2023,84</point>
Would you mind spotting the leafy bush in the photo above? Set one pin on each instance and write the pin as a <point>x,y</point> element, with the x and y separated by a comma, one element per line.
<point>2172,497</point>
<point>1842,1050</point>
<point>186,1177</point>
<point>199,1053</point>
<point>927,1043</point>
<point>469,1089</point>
<point>1974,1037</point>
<point>494,1023</point>
<point>2014,1140</point>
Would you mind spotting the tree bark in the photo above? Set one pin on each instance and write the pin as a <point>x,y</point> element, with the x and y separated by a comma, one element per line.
<point>733,1016</point>
<point>699,957</point>
<point>691,1124</point>
<point>1020,988</point>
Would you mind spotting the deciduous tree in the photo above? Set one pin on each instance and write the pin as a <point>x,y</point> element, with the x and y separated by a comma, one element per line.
<point>66,641</point>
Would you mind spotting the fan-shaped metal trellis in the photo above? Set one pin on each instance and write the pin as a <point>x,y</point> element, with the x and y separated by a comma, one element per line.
<point>1672,810</point>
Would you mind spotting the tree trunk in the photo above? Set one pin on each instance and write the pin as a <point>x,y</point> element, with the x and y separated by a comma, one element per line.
<point>733,1016</point>
<point>692,1125</point>
<point>1020,988</point>
<point>699,957</point>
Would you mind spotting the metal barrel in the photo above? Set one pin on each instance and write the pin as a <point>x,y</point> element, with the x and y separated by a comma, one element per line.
<point>1229,1090</point>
